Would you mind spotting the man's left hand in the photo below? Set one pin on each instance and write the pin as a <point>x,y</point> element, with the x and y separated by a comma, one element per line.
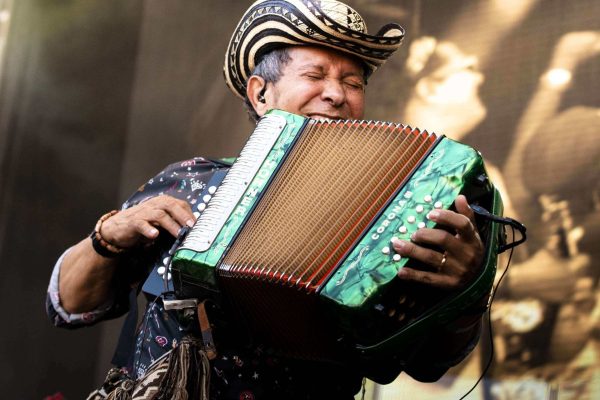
<point>458,248</point>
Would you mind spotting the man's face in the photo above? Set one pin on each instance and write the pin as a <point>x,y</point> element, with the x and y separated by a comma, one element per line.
<point>319,83</point>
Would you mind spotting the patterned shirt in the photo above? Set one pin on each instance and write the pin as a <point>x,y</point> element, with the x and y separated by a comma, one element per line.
<point>242,369</point>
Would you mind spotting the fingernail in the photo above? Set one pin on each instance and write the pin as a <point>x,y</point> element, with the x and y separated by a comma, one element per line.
<point>432,215</point>
<point>398,243</point>
<point>153,232</point>
<point>190,223</point>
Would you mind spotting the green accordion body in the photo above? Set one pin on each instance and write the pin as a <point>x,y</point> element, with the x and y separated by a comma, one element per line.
<point>297,237</point>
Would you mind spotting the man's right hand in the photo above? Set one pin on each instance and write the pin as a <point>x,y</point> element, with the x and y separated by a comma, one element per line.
<point>139,224</point>
<point>86,278</point>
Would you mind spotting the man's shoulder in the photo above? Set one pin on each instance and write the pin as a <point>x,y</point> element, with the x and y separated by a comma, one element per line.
<point>198,163</point>
<point>182,179</point>
<point>189,169</point>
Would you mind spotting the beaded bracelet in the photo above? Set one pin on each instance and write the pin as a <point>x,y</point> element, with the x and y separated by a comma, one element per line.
<point>101,246</point>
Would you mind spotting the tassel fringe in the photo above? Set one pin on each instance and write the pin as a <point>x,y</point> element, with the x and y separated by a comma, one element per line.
<point>188,373</point>
<point>182,374</point>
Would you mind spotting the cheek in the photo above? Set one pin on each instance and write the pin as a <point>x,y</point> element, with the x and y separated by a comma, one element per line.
<point>356,104</point>
<point>304,95</point>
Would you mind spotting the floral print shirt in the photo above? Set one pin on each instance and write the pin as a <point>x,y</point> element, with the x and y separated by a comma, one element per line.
<point>241,370</point>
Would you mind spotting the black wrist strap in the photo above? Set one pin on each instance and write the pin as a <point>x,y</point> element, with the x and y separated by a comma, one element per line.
<point>98,248</point>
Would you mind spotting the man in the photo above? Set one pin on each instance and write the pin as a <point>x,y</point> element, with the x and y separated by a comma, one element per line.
<point>306,57</point>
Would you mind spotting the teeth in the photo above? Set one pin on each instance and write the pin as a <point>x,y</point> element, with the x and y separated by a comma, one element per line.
<point>322,118</point>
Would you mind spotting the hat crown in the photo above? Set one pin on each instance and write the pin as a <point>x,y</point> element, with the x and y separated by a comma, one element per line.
<point>342,14</point>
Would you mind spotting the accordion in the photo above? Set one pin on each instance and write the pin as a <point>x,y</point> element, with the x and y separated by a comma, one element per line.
<point>297,237</point>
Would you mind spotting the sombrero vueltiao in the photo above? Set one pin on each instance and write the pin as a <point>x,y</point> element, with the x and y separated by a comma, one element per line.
<point>269,24</point>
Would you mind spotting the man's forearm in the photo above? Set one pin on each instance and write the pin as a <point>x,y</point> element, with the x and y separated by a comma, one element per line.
<point>85,278</point>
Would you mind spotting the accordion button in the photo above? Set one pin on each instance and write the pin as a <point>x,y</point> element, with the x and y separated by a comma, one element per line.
<point>403,229</point>
<point>397,257</point>
<point>428,199</point>
<point>385,250</point>
<point>421,225</point>
<point>408,194</point>
<point>201,207</point>
<point>169,276</point>
<point>438,204</point>
<point>206,198</point>
<point>212,189</point>
<point>161,270</point>
<point>419,209</point>
<point>411,219</point>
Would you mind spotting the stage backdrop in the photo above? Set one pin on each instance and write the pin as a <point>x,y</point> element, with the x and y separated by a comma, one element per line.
<point>97,96</point>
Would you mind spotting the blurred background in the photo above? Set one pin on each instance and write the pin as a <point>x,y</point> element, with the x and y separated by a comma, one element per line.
<point>97,96</point>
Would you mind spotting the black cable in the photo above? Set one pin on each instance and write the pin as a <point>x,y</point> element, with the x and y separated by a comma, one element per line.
<point>491,336</point>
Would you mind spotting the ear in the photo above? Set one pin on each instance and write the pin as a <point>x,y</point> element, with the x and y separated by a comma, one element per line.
<point>254,87</point>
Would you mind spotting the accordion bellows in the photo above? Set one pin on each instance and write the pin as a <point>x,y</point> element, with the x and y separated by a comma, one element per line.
<point>297,237</point>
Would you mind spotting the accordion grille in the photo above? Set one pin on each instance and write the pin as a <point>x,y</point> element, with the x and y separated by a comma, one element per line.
<point>335,180</point>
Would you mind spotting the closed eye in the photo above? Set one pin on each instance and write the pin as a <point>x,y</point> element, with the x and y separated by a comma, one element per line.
<point>313,76</point>
<point>354,84</point>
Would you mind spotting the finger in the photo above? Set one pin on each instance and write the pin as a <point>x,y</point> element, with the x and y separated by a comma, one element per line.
<point>442,281</point>
<point>126,230</point>
<point>461,223</point>
<point>146,229</point>
<point>419,253</point>
<point>462,207</point>
<point>164,220</point>
<point>438,239</point>
<point>181,212</point>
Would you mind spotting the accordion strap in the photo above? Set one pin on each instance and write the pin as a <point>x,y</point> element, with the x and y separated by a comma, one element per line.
<point>206,331</point>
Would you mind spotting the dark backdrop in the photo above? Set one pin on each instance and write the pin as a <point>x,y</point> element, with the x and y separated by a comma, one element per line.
<point>96,96</point>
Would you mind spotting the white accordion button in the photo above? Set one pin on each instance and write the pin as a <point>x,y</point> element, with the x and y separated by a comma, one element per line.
<point>206,198</point>
<point>397,257</point>
<point>438,204</point>
<point>403,229</point>
<point>385,250</point>
<point>411,219</point>
<point>421,225</point>
<point>408,194</point>
<point>161,270</point>
<point>428,199</point>
<point>419,209</point>
<point>201,207</point>
<point>212,189</point>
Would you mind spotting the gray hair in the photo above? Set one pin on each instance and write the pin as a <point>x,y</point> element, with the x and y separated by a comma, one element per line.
<point>270,68</point>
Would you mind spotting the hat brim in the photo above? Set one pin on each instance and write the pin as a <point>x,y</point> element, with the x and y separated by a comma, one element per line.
<point>270,24</point>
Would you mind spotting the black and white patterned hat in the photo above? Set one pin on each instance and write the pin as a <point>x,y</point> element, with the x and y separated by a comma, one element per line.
<point>269,24</point>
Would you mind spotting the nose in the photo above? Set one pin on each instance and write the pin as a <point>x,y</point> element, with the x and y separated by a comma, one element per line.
<point>333,92</point>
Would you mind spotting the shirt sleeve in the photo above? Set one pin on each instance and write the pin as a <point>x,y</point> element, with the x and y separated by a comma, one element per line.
<point>183,180</point>
<point>59,316</point>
